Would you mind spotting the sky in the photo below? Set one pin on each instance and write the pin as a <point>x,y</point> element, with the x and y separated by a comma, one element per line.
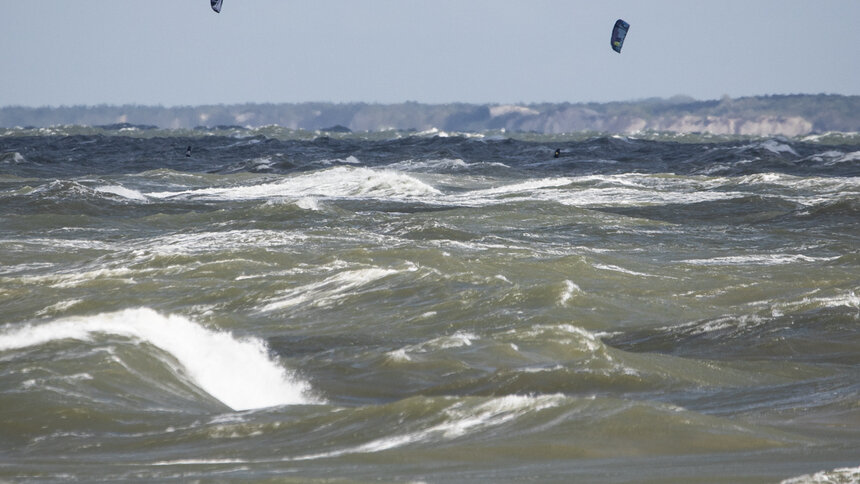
<point>181,53</point>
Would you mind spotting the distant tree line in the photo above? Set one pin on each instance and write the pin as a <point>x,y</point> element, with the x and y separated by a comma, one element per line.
<point>799,114</point>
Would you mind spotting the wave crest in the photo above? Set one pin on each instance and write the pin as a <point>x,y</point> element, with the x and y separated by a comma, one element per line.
<point>237,372</point>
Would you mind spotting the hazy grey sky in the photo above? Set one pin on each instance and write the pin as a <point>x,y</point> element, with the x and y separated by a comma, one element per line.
<point>180,52</point>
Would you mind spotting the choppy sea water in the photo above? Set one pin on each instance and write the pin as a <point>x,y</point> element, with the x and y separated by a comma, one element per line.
<point>424,307</point>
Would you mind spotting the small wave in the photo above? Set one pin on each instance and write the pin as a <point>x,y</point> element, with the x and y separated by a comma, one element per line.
<point>63,189</point>
<point>59,307</point>
<point>614,268</point>
<point>331,289</point>
<point>12,157</point>
<point>432,132</point>
<point>460,419</point>
<point>773,146</point>
<point>776,147</point>
<point>840,208</point>
<point>349,160</point>
<point>122,192</point>
<point>456,340</point>
<point>262,164</point>
<point>570,289</point>
<point>238,372</point>
<point>853,156</point>
<point>848,300</point>
<point>309,203</point>
<point>69,190</point>
<point>567,334</point>
<point>445,165</point>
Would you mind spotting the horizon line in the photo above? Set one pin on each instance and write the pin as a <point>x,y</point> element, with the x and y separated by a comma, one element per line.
<point>678,98</point>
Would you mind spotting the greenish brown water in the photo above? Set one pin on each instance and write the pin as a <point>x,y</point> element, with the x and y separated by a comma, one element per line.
<point>402,307</point>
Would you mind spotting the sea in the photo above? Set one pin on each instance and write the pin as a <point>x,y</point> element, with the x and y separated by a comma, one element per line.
<point>235,304</point>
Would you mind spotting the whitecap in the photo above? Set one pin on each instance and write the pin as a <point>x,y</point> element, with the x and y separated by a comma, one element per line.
<point>238,372</point>
<point>329,290</point>
<point>458,339</point>
<point>853,156</point>
<point>614,268</point>
<point>776,147</point>
<point>12,157</point>
<point>308,203</point>
<point>122,192</point>
<point>433,132</point>
<point>568,292</point>
<point>845,475</point>
<point>59,307</point>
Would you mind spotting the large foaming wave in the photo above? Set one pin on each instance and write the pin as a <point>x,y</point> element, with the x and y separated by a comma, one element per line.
<point>238,372</point>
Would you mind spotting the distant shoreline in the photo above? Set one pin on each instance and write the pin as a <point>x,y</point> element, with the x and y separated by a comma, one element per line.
<point>787,115</point>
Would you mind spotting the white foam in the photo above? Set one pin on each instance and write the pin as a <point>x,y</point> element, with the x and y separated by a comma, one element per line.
<point>743,322</point>
<point>567,293</point>
<point>849,300</point>
<point>74,279</point>
<point>433,132</point>
<point>853,156</point>
<point>59,307</point>
<point>330,289</point>
<point>199,462</point>
<point>527,187</point>
<point>12,157</point>
<point>602,190</point>
<point>833,157</point>
<point>238,372</point>
<point>583,339</point>
<point>193,243</point>
<point>457,340</point>
<point>122,192</point>
<point>460,420</point>
<point>9,269</point>
<point>438,164</point>
<point>399,182</point>
<point>614,268</point>
<point>309,203</point>
<point>762,259</point>
<point>338,182</point>
<point>845,475</point>
<point>398,355</point>
<point>776,147</point>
